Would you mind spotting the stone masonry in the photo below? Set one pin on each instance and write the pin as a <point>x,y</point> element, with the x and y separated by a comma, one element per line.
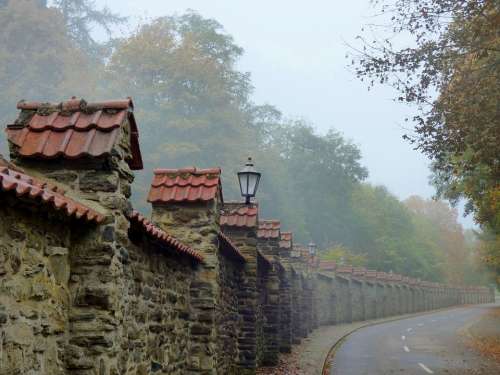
<point>89,286</point>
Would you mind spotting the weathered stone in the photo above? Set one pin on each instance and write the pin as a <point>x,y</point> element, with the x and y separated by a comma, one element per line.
<point>98,181</point>
<point>64,176</point>
<point>86,299</point>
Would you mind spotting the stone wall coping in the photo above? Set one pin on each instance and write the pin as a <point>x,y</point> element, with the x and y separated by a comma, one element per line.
<point>34,190</point>
<point>153,231</point>
<point>230,248</point>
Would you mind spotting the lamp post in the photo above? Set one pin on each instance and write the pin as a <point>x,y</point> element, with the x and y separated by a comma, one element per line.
<point>249,179</point>
<point>312,248</point>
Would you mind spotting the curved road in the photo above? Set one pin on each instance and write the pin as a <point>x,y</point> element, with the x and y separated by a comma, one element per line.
<point>427,344</point>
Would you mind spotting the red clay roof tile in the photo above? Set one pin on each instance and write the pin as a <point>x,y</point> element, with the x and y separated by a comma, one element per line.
<point>158,234</point>
<point>359,271</point>
<point>371,274</point>
<point>386,276</point>
<point>344,269</point>
<point>228,245</point>
<point>396,277</point>
<point>286,240</point>
<point>186,184</point>
<point>73,129</point>
<point>242,216</point>
<point>29,187</point>
<point>269,229</point>
<point>327,265</point>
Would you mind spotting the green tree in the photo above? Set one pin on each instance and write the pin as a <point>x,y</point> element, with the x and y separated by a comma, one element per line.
<point>451,72</point>
<point>318,175</point>
<point>38,60</point>
<point>81,17</point>
<point>392,238</point>
<point>191,99</point>
<point>343,255</point>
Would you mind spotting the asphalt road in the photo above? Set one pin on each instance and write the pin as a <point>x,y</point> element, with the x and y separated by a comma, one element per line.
<point>427,344</point>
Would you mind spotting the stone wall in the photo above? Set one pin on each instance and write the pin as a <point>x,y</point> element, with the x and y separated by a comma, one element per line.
<point>179,294</point>
<point>34,290</point>
<point>157,322</point>
<point>249,309</point>
<point>227,319</point>
<point>108,299</point>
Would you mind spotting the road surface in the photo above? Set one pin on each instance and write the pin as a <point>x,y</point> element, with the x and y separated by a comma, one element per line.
<point>427,344</point>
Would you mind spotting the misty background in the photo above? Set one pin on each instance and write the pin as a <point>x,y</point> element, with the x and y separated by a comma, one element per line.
<point>296,54</point>
<point>216,81</point>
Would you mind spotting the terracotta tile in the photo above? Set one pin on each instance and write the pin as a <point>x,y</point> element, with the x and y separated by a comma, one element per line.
<point>74,129</point>
<point>185,185</point>
<point>29,187</point>
<point>243,216</point>
<point>269,229</point>
<point>160,235</point>
<point>327,265</point>
<point>228,245</point>
<point>286,240</point>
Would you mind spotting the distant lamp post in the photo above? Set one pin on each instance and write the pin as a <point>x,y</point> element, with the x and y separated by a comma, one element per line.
<point>249,181</point>
<point>312,248</point>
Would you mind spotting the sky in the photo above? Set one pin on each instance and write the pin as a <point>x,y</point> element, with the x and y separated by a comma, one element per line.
<point>296,51</point>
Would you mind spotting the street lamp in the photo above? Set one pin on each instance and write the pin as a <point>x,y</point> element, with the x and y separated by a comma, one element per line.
<point>312,248</point>
<point>249,181</point>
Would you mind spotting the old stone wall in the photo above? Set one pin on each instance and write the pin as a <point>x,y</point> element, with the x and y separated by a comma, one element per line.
<point>157,322</point>
<point>227,319</point>
<point>249,308</point>
<point>108,300</point>
<point>180,294</point>
<point>325,300</point>
<point>285,305</point>
<point>34,291</point>
<point>357,300</point>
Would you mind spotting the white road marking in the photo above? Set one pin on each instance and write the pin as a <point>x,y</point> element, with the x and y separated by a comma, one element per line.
<point>426,369</point>
<point>433,320</point>
<point>409,329</point>
<point>403,337</point>
<point>420,324</point>
<point>407,349</point>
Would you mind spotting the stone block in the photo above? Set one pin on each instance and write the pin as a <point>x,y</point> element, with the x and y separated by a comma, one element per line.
<point>94,181</point>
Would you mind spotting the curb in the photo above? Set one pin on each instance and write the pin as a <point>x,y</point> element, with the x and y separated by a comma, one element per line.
<point>331,353</point>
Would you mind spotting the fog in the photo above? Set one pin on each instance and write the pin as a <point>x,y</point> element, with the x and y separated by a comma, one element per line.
<point>216,82</point>
<point>296,54</point>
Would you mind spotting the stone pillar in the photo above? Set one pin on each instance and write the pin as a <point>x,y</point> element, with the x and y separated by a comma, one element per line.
<point>357,300</point>
<point>345,298</point>
<point>187,204</point>
<point>371,299</point>
<point>95,163</point>
<point>285,249</point>
<point>296,305</point>
<point>268,244</point>
<point>239,223</point>
<point>381,298</point>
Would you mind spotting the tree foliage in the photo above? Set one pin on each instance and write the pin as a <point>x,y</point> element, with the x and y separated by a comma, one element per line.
<point>459,258</point>
<point>342,255</point>
<point>193,107</point>
<point>38,60</point>
<point>451,71</point>
<point>81,17</point>
<point>191,99</point>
